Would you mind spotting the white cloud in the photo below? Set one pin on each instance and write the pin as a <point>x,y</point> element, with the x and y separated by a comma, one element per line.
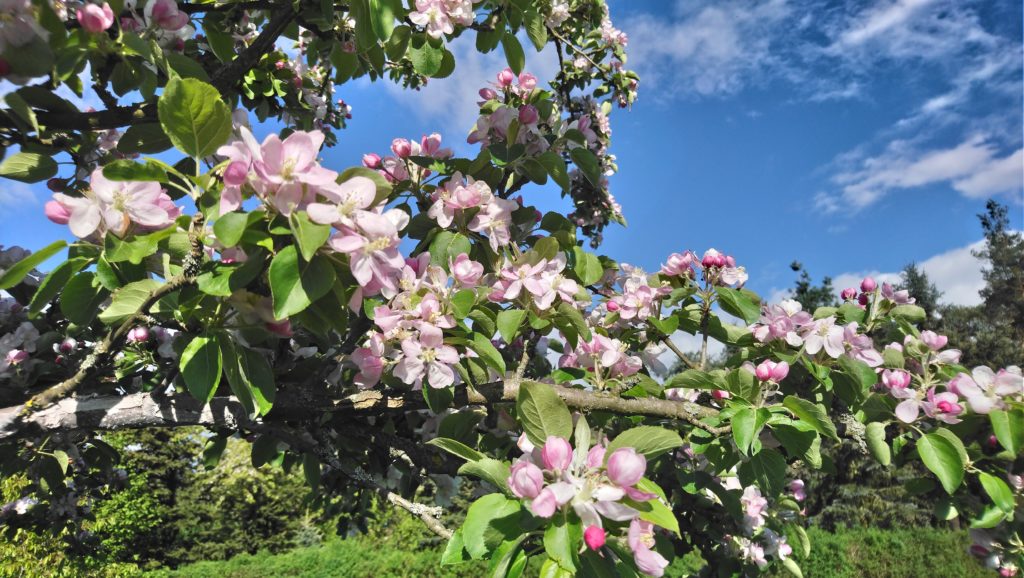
<point>878,20</point>
<point>973,167</point>
<point>956,273</point>
<point>15,195</point>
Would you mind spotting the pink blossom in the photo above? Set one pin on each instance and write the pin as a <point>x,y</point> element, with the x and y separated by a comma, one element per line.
<point>626,467</point>
<point>594,537</point>
<point>428,357</point>
<point>754,506</point>
<point>57,212</point>
<point>933,340</point>
<point>430,146</point>
<point>165,14</point>
<point>432,15</point>
<point>942,406</point>
<point>782,321</point>
<point>371,160</point>
<point>139,334</point>
<point>641,540</point>
<point>848,294</point>
<point>984,389</point>
<point>16,356</point>
<point>679,264</point>
<point>595,457</point>
<point>372,247</point>
<point>526,480</point>
<point>495,220</point>
<point>355,194</point>
<point>370,361</point>
<point>797,488</point>
<point>458,194</point>
<point>868,285</point>
<point>545,504</point>
<point>769,370</point>
<point>94,18</point>
<point>895,378</point>
<point>556,454</point>
<point>114,205</point>
<point>466,271</point>
<point>861,347</point>
<point>901,297</point>
<point>288,170</point>
<point>528,114</point>
<point>506,78</point>
<point>824,334</point>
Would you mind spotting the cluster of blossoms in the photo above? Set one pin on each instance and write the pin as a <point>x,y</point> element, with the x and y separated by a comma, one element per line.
<point>537,283</point>
<point>991,551</point>
<point>788,321</point>
<point>512,101</point>
<point>608,358</point>
<point>18,338</point>
<point>492,215</point>
<point>716,268</point>
<point>867,289</point>
<point>554,476</point>
<point>398,167</point>
<point>439,17</point>
<point>113,207</point>
<point>760,541</point>
<point>162,19</point>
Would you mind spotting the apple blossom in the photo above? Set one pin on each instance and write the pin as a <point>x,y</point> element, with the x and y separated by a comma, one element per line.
<point>466,271</point>
<point>626,467</point>
<point>868,285</point>
<point>427,356</point>
<point>113,206</point>
<point>138,334</point>
<point>641,542</point>
<point>556,453</point>
<point>95,18</point>
<point>594,536</point>
<point>526,479</point>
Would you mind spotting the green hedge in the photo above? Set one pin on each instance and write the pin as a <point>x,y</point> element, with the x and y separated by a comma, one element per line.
<point>851,554</point>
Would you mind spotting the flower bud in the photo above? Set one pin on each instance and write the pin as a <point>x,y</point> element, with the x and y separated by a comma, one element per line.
<point>401,147</point>
<point>594,537</point>
<point>720,394</point>
<point>862,299</point>
<point>626,467</point>
<point>95,19</point>
<point>138,334</point>
<point>1017,482</point>
<point>595,457</point>
<point>545,504</point>
<point>933,340</point>
<point>57,212</point>
<point>280,64</point>
<point>780,371</point>
<point>796,487</point>
<point>895,378</point>
<point>528,114</point>
<point>557,453</point>
<point>280,328</point>
<point>763,371</point>
<point>613,306</point>
<point>466,271</point>
<point>849,294</point>
<point>506,77</point>
<point>236,173</point>
<point>488,94</point>
<point>68,345</point>
<point>526,480</point>
<point>868,285</point>
<point>371,160</point>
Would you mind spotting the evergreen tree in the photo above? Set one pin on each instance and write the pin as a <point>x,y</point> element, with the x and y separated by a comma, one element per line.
<point>812,296</point>
<point>924,291</point>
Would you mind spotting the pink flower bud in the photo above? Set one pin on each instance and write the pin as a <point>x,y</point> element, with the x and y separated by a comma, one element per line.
<point>16,356</point>
<point>57,212</point>
<point>848,294</point>
<point>1007,572</point>
<point>95,19</point>
<point>780,371</point>
<point>545,504</point>
<point>371,160</point>
<point>763,371</point>
<point>712,258</point>
<point>236,173</point>
<point>526,480</point>
<point>138,334</point>
<point>280,328</point>
<point>401,147</point>
<point>557,453</point>
<point>626,467</point>
<point>729,261</point>
<point>528,114</point>
<point>868,285</point>
<point>466,271</point>
<point>895,378</point>
<point>797,488</point>
<point>68,345</point>
<point>506,77</point>
<point>594,537</point>
<point>613,306</point>
<point>488,94</point>
<point>595,457</point>
<point>527,81</point>
<point>720,394</point>
<point>933,340</point>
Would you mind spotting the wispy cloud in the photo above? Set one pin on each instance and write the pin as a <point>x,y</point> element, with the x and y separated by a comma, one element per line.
<point>15,196</point>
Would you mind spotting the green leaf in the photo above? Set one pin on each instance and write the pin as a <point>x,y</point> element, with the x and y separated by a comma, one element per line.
<point>148,138</point>
<point>230,227</point>
<point>19,270</point>
<point>812,414</point>
<point>128,300</point>
<point>656,512</point>
<point>81,298</point>
<point>513,52</point>
<point>455,550</point>
<point>651,441</point>
<point>226,278</point>
<point>258,377</point>
<point>943,459</point>
<point>588,165</point>
<point>126,170</point>
<point>295,284</point>
<point>382,18</point>
<point>794,568</point>
<point>570,313</point>
<point>695,379</point>
<point>990,518</point>
<point>446,246</point>
<point>767,469</point>
<point>909,313</point>
<point>555,165</point>
<point>1008,427</point>
<point>28,167</point>
<point>561,538</point>
<point>55,282</point>
<point>1001,494</point>
<point>201,364</point>
<point>462,303</point>
<point>543,413</point>
<point>425,57</point>
<point>746,425</point>
<point>588,267</point>
<point>509,322</point>
<point>490,470</point>
<point>311,236</point>
<point>738,303</point>
<point>457,448</point>
<point>876,443</point>
<point>194,117</point>
<point>486,350</point>
<point>536,29</point>
<point>489,521</point>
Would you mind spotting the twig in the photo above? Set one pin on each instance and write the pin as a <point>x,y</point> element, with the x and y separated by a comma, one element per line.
<point>682,356</point>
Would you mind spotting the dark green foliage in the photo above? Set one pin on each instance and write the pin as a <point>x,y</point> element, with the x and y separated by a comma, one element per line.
<point>812,296</point>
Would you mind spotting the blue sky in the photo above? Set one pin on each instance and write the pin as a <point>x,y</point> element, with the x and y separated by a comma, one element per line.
<point>854,137</point>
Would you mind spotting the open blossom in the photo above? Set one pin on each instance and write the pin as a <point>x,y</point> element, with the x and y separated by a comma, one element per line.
<point>941,406</point>
<point>372,247</point>
<point>466,271</point>
<point>370,362</point>
<point>458,194</point>
<point>165,14</point>
<point>754,507</point>
<point>113,206</point>
<point>895,379</point>
<point>641,542</point>
<point>289,175</point>
<point>602,352</point>
<point>985,389</point>
<point>543,281</point>
<point>428,357</point>
<point>679,264</point>
<point>495,220</point>
<point>861,347</point>
<point>901,297</point>
<point>784,320</point>
<point>824,334</point>
<point>355,194</point>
